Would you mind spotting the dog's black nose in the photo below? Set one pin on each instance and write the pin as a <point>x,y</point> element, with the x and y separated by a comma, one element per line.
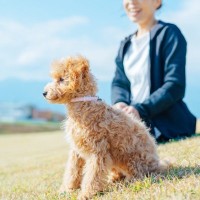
<point>44,94</point>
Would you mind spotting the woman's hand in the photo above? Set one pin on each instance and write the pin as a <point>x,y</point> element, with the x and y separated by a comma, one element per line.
<point>120,105</point>
<point>127,109</point>
<point>131,111</point>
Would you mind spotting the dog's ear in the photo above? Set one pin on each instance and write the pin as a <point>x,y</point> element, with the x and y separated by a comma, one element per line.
<point>83,66</point>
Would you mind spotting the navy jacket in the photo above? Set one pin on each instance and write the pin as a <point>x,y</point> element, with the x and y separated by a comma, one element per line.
<point>164,108</point>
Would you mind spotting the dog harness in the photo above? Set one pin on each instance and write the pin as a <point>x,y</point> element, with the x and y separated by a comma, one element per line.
<point>86,98</point>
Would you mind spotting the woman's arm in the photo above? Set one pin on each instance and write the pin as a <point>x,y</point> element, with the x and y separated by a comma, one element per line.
<point>120,91</point>
<point>173,89</point>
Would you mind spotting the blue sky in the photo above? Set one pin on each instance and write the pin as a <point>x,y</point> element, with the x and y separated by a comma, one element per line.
<point>34,33</point>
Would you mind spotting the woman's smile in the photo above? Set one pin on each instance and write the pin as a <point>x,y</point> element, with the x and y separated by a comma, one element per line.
<point>134,11</point>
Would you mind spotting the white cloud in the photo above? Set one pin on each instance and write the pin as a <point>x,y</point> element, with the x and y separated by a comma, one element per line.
<point>27,50</point>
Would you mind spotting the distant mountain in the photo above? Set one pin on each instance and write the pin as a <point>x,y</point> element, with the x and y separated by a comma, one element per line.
<point>30,92</point>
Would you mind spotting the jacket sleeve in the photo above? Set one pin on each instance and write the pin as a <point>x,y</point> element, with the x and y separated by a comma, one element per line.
<point>173,89</point>
<point>120,89</point>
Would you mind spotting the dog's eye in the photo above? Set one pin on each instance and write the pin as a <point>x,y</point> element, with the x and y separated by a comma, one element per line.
<point>61,79</point>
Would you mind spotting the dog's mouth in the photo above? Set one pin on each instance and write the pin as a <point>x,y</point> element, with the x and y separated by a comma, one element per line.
<point>50,99</point>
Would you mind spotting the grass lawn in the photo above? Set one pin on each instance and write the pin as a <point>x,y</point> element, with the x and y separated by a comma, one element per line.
<point>28,127</point>
<point>32,165</point>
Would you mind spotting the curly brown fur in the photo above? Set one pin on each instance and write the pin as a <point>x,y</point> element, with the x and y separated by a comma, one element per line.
<point>104,141</point>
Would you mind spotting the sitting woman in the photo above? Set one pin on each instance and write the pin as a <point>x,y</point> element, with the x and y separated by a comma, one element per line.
<point>149,81</point>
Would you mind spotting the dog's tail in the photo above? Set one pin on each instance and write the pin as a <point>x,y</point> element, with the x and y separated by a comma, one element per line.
<point>165,165</point>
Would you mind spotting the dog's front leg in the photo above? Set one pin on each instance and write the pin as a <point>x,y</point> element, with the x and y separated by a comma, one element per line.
<point>95,176</point>
<point>73,173</point>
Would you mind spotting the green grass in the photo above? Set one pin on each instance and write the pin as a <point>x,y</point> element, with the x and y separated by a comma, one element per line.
<point>28,127</point>
<point>32,165</point>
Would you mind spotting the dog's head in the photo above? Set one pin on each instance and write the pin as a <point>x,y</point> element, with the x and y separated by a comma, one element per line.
<point>71,78</point>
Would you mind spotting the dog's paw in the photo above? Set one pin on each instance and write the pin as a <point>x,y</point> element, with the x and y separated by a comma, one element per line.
<point>64,190</point>
<point>84,196</point>
<point>115,176</point>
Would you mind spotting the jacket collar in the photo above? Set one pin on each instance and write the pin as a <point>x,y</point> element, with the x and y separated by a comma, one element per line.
<point>153,32</point>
